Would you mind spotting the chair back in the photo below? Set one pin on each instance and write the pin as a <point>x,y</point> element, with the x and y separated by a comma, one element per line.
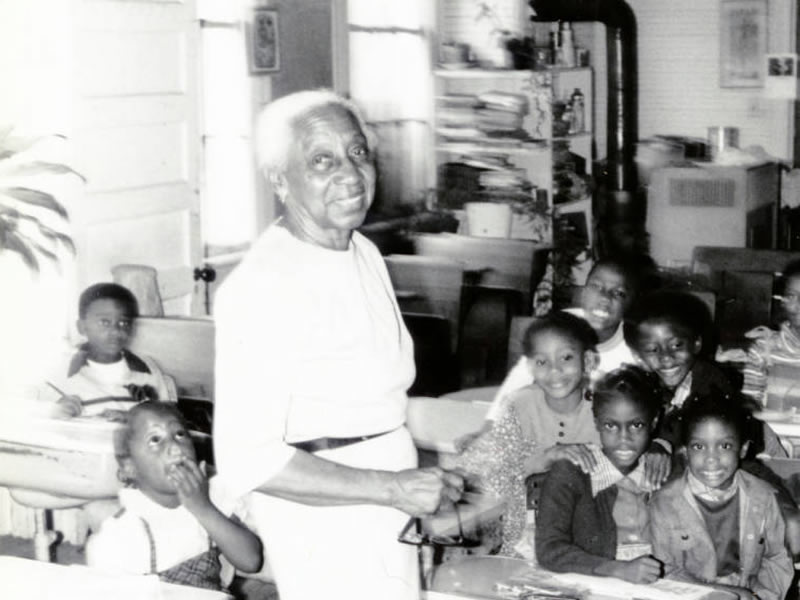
<point>428,285</point>
<point>509,263</point>
<point>183,348</point>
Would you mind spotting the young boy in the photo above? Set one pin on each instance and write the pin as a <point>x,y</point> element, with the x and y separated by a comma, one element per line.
<point>717,524</point>
<point>772,348</point>
<point>666,330</point>
<point>104,378</point>
<point>174,521</point>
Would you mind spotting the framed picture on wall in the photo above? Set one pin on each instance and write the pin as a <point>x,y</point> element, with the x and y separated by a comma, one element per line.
<point>743,42</point>
<point>264,42</point>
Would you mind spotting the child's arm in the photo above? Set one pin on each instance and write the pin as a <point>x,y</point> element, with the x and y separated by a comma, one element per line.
<point>776,572</point>
<point>239,545</point>
<point>540,460</point>
<point>755,369</point>
<point>555,547</point>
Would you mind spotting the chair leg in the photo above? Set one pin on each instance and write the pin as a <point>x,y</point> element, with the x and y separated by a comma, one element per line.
<point>43,537</point>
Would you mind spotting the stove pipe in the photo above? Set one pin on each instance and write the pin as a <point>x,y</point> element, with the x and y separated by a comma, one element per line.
<point>622,134</point>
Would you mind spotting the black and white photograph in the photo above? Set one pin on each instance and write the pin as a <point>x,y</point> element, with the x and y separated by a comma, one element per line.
<point>399,300</point>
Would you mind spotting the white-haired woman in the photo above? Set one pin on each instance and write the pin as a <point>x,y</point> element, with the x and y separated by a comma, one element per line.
<point>313,363</point>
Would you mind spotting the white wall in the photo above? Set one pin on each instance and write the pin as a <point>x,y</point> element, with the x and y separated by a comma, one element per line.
<point>679,91</point>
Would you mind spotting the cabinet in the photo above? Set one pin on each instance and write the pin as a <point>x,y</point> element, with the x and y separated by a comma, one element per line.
<point>504,136</point>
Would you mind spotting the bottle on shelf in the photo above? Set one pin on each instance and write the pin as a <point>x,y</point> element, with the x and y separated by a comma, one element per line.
<point>578,104</point>
<point>553,45</point>
<point>566,45</point>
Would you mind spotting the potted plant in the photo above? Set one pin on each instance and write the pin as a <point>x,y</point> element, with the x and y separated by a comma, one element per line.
<point>34,247</point>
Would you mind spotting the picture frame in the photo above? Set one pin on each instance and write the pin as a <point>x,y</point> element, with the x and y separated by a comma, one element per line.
<point>743,43</point>
<point>263,41</point>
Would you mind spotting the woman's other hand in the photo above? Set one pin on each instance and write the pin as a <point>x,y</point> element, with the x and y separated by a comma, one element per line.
<point>578,454</point>
<point>420,492</point>
<point>67,407</point>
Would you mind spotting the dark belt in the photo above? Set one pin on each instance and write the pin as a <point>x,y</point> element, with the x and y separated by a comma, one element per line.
<point>327,443</point>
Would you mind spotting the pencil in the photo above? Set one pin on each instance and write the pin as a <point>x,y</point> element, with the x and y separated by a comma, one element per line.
<point>62,392</point>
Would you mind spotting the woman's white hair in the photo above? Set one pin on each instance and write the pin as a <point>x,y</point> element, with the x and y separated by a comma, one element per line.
<point>275,126</point>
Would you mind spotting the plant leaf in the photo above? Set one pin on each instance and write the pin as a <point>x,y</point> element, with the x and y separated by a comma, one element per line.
<point>37,167</point>
<point>48,232</point>
<point>33,244</point>
<point>36,198</point>
<point>12,241</point>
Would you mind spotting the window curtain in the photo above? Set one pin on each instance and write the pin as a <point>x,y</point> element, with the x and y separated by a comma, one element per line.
<point>390,78</point>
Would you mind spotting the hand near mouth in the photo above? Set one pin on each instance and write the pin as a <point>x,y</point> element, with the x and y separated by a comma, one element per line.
<point>191,484</point>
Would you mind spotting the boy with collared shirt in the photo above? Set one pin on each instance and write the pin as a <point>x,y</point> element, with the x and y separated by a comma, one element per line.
<point>104,378</point>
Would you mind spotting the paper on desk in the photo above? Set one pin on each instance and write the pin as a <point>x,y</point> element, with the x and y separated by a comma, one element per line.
<point>663,589</point>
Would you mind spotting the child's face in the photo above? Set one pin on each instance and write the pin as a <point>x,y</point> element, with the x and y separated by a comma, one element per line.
<point>667,350</point>
<point>624,432</point>
<point>714,450</point>
<point>107,327</point>
<point>605,298</point>
<point>558,364</point>
<point>159,443</point>
<point>791,302</point>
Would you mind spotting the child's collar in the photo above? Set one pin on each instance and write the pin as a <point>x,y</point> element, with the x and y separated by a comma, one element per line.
<point>81,359</point>
<point>605,473</point>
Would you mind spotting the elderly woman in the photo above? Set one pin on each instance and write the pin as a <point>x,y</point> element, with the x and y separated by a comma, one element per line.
<point>313,364</point>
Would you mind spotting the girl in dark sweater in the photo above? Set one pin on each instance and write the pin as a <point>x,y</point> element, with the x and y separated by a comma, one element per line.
<point>596,523</point>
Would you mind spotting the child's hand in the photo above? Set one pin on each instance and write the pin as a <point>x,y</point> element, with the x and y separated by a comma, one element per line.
<point>191,484</point>
<point>578,454</point>
<point>657,467</point>
<point>67,407</point>
<point>644,569</point>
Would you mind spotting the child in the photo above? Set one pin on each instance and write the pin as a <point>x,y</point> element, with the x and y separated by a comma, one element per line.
<point>610,288</point>
<point>666,331</point>
<point>104,378</point>
<point>542,423</point>
<point>596,523</point>
<point>172,521</point>
<point>718,524</point>
<point>775,348</point>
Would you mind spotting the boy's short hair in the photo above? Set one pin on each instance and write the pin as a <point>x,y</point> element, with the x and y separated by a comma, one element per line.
<point>122,436</point>
<point>110,291</point>
<point>564,323</point>
<point>641,386</point>
<point>729,408</point>
<point>638,270</point>
<point>681,309</point>
<point>789,271</point>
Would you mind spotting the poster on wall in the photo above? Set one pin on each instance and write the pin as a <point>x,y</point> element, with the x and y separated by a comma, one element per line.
<point>743,42</point>
<point>263,42</point>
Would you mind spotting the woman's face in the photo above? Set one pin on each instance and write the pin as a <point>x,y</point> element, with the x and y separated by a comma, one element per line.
<point>329,182</point>
<point>605,298</point>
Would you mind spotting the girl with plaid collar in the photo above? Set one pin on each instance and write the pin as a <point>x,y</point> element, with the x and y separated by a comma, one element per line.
<point>596,522</point>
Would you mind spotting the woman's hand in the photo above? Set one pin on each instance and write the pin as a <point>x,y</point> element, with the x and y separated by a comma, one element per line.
<point>578,454</point>
<point>420,492</point>
<point>191,484</point>
<point>644,569</point>
<point>657,467</point>
<point>67,407</point>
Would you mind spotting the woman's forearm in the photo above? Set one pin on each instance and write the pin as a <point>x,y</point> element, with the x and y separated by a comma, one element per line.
<point>312,480</point>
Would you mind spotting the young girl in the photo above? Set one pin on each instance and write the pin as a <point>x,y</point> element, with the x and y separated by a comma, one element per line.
<point>168,523</point>
<point>542,423</point>
<point>718,524</point>
<point>596,523</point>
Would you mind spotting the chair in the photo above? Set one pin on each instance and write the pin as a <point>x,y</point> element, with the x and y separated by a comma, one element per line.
<point>744,280</point>
<point>428,285</point>
<point>142,281</point>
<point>498,263</point>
